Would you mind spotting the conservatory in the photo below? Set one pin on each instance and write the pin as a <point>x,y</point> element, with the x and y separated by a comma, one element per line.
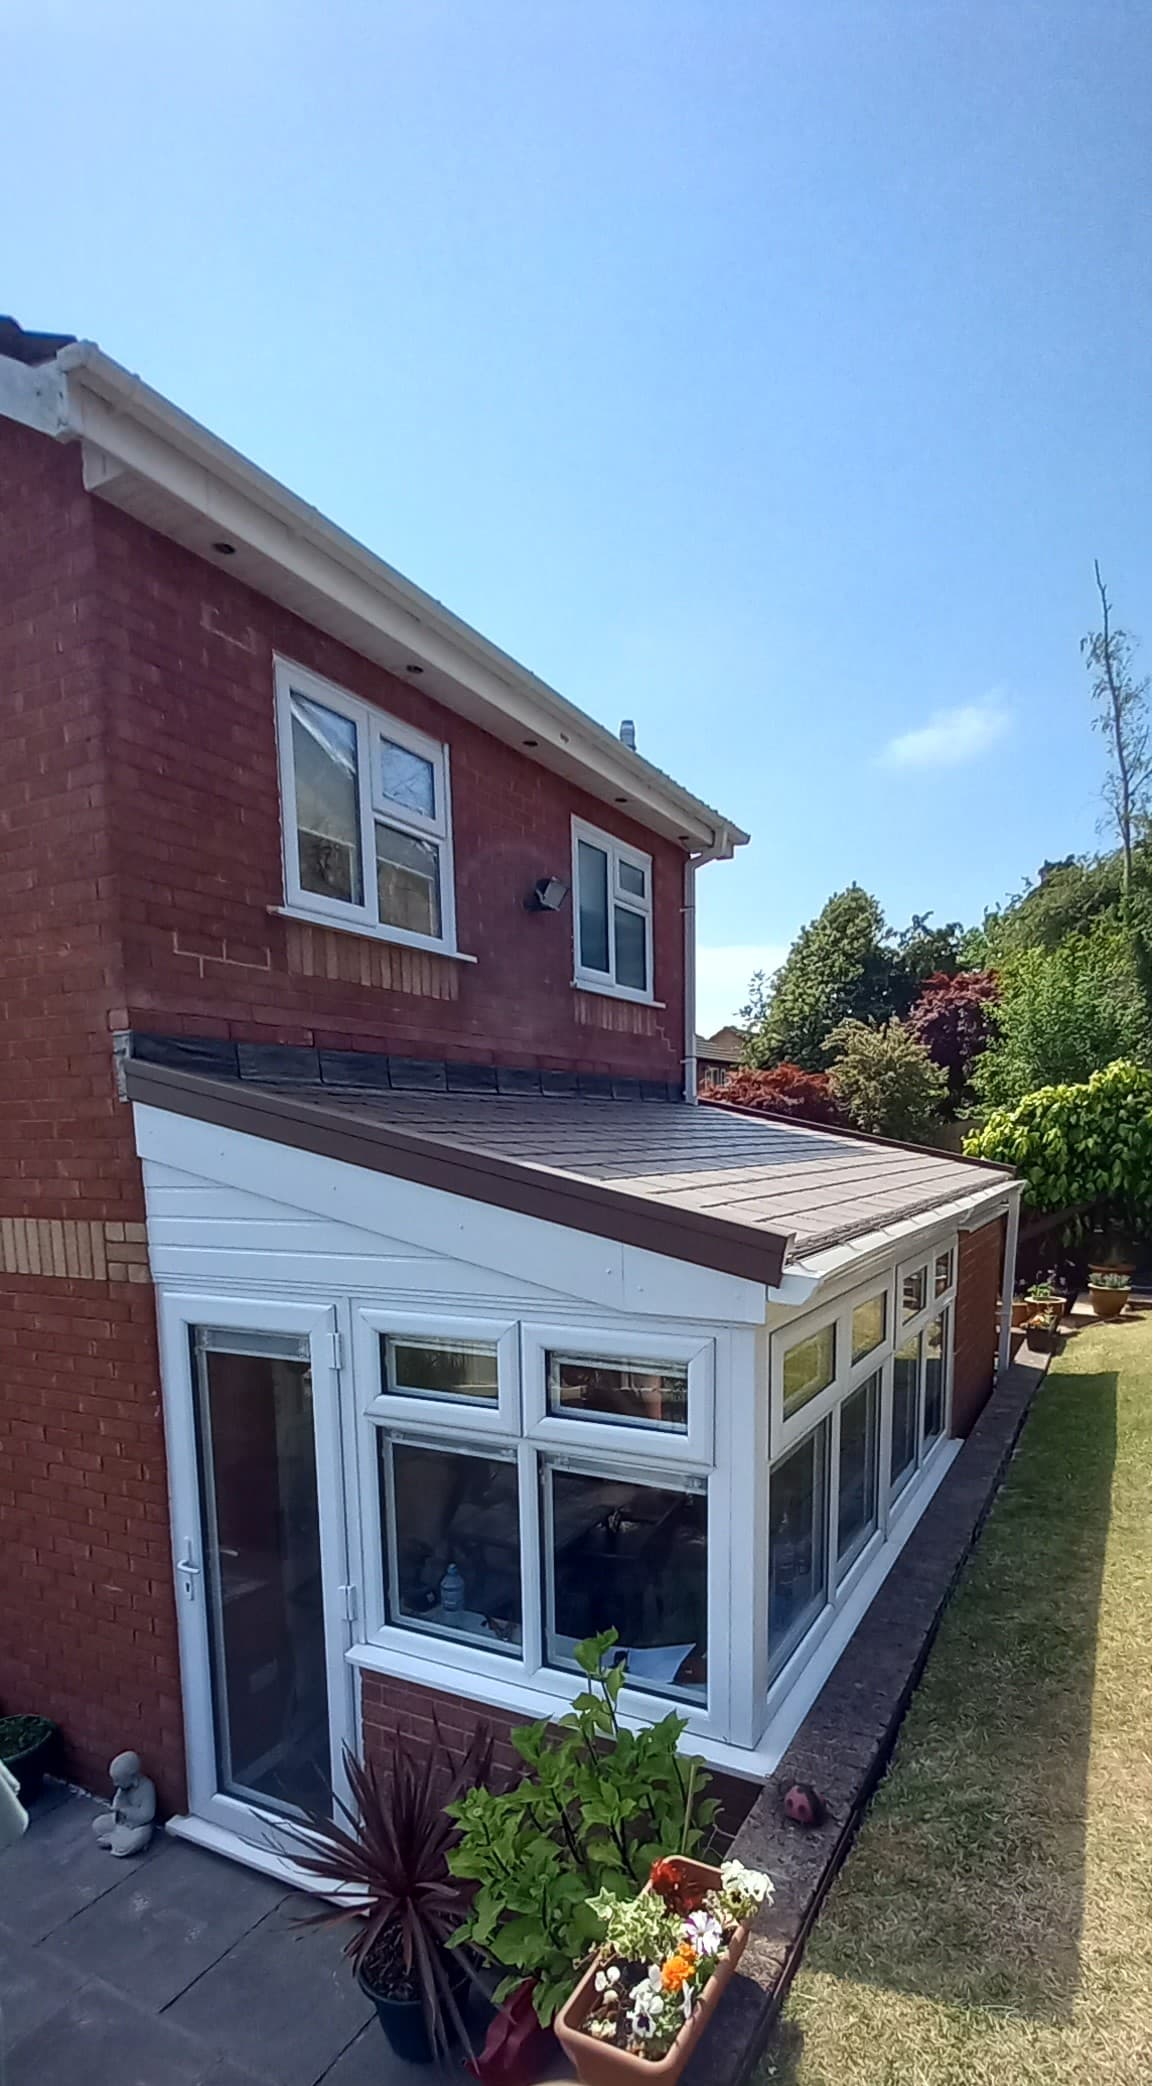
<point>451,1384</point>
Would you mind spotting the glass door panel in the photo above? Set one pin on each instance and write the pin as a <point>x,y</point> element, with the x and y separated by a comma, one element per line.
<point>261,1553</point>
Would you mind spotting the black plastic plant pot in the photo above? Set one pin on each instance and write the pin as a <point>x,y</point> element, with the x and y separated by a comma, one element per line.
<point>403,2019</point>
<point>26,1748</point>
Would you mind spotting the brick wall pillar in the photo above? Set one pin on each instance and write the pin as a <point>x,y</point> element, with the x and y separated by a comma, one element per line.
<point>977,1290</point>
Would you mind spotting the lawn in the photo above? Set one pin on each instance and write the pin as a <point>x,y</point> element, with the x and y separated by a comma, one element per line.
<point>993,1924</point>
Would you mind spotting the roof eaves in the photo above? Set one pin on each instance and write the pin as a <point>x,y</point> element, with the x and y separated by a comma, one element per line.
<point>751,1252</point>
<point>583,737</point>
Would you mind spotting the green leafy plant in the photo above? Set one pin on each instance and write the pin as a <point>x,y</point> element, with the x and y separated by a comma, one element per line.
<point>598,1806</point>
<point>1063,1014</point>
<point>1080,1147</point>
<point>1109,1278</point>
<point>885,1080</point>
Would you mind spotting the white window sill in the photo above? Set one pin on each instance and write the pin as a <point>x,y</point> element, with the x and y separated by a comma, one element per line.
<point>606,990</point>
<point>500,1683</point>
<point>395,937</point>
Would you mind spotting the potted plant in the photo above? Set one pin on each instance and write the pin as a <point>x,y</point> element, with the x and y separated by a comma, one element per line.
<point>1021,1308</point>
<point>659,1972</point>
<point>389,1861</point>
<point>1044,1295</point>
<point>1040,1330</point>
<point>1109,1290</point>
<point>597,1806</point>
<point>26,1747</point>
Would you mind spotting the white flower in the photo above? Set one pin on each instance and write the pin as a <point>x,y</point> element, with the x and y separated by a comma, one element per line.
<point>704,1931</point>
<point>606,1979</point>
<point>647,2007</point>
<point>747,1883</point>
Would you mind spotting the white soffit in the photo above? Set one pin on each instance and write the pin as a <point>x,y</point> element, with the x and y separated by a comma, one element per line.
<point>145,456</point>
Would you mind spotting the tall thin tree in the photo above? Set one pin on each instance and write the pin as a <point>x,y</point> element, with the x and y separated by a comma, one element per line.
<point>1122,703</point>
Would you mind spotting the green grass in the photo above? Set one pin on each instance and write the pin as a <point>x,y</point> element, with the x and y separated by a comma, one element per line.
<point>993,1924</point>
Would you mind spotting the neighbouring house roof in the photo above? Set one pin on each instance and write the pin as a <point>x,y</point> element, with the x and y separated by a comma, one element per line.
<point>726,1047</point>
<point>710,1186</point>
<point>144,455</point>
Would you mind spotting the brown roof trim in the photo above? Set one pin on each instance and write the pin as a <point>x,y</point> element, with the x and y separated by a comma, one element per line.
<point>534,1191</point>
<point>892,1144</point>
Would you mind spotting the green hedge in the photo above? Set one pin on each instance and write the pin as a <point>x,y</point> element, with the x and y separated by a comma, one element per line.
<point>1089,1144</point>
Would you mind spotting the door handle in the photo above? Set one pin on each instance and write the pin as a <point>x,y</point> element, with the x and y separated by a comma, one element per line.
<point>189,1570</point>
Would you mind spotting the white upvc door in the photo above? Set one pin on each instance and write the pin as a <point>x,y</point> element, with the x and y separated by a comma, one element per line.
<point>260,1554</point>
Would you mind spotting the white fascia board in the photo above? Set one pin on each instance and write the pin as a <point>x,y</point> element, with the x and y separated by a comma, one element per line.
<point>581,1264</point>
<point>840,1267</point>
<point>197,487</point>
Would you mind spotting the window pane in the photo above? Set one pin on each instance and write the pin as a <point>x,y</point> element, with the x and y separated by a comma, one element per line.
<point>406,778</point>
<point>943,1273</point>
<point>408,881</point>
<point>808,1368</point>
<point>935,1350</point>
<point>859,1471</point>
<point>915,1294</point>
<point>797,1546</point>
<point>327,801</point>
<point>631,949</point>
<point>435,1369</point>
<point>633,1558</point>
<point>453,1561</point>
<point>631,878</point>
<point>905,1384</point>
<point>651,1394</point>
<point>592,872</point>
<point>868,1325</point>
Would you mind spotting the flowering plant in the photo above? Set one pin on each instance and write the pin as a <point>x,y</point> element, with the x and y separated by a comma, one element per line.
<point>660,1950</point>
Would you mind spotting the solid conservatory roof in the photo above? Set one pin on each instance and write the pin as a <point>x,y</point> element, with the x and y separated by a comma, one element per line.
<point>728,1191</point>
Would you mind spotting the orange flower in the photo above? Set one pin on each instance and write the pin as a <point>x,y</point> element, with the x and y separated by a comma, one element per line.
<point>688,1952</point>
<point>676,1972</point>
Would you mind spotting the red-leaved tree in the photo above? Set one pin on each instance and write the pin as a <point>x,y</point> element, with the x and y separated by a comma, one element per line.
<point>785,1090</point>
<point>953,1020</point>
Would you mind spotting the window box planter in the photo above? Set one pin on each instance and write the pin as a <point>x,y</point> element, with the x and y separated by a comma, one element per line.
<point>602,2063</point>
<point>26,1748</point>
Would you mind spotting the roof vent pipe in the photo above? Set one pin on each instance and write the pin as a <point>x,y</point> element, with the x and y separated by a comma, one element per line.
<point>628,733</point>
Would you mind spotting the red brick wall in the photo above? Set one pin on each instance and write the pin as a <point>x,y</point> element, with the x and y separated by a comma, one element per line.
<point>87,1624</point>
<point>198,864</point>
<point>977,1291</point>
<point>391,1709</point>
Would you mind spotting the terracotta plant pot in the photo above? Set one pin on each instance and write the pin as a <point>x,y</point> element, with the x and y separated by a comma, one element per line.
<point>602,2064</point>
<point>1107,1303</point>
<point>1021,1311</point>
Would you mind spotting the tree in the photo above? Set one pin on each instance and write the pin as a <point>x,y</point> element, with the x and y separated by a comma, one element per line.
<point>953,1020</point>
<point>1082,1146</point>
<point>926,950</point>
<point>1065,1013</point>
<point>840,966</point>
<point>884,1079</point>
<point>1122,703</point>
<point>785,1090</point>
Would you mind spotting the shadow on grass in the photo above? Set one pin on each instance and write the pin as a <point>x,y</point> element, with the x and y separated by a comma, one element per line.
<point>966,1885</point>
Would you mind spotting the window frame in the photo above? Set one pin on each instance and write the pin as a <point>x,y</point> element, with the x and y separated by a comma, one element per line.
<point>372,725</point>
<point>630,1440</point>
<point>617,851</point>
<point>434,1413</point>
<point>826,1408</point>
<point>482,1447</point>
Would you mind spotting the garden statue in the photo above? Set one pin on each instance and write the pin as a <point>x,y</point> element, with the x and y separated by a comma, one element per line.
<point>127,1827</point>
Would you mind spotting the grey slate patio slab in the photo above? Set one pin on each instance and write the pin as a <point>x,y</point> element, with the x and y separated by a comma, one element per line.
<point>168,1922</point>
<point>281,2002</point>
<point>34,1984</point>
<point>57,1869</point>
<point>370,2062</point>
<point>98,2038</point>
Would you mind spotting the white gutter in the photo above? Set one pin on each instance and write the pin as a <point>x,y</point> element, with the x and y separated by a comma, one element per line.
<point>803,1277</point>
<point>136,440</point>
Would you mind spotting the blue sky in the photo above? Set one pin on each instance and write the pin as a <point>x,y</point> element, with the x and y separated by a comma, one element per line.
<point>770,375</point>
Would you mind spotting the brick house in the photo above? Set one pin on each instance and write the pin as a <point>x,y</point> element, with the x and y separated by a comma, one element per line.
<point>380,1314</point>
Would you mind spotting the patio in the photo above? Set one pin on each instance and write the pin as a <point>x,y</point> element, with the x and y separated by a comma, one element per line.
<point>177,1969</point>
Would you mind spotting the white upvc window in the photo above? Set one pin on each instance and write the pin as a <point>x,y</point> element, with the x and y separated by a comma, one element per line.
<point>366,816</point>
<point>611,914</point>
<point>860,1398</point>
<point>524,1487</point>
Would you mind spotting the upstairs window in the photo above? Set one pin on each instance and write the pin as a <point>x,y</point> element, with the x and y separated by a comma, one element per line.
<point>612,890</point>
<point>367,824</point>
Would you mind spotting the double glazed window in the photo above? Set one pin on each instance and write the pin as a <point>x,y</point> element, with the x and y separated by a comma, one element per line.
<point>859,1401</point>
<point>612,894</point>
<point>533,1488</point>
<point>365,805</point>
